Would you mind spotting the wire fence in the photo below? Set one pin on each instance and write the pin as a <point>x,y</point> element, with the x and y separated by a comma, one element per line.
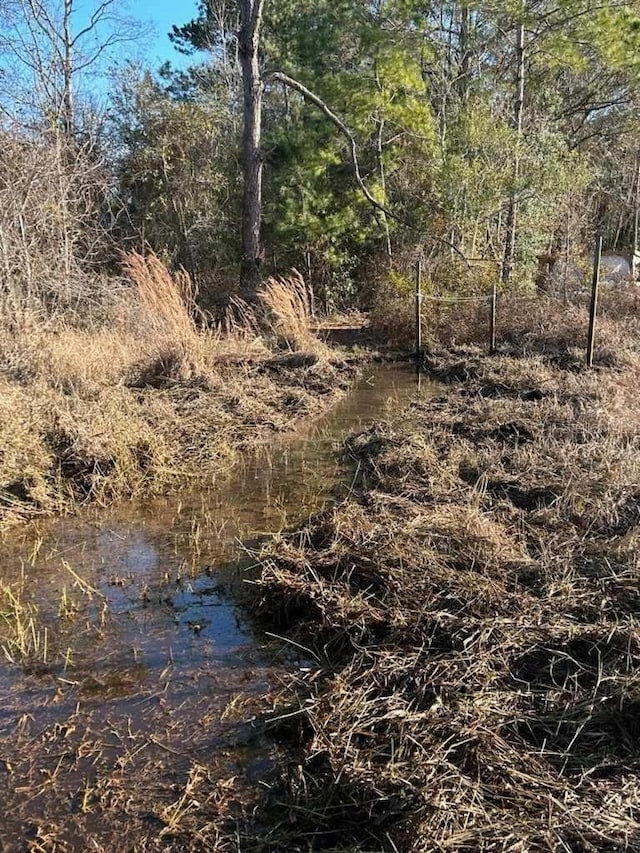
<point>492,298</point>
<point>426,297</point>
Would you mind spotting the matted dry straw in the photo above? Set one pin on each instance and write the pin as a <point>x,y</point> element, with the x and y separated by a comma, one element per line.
<point>475,619</point>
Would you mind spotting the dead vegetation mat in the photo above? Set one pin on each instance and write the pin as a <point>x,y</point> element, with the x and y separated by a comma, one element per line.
<point>97,427</point>
<point>472,614</point>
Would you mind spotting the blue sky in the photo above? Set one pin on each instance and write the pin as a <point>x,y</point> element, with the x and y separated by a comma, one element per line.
<point>162,14</point>
<point>98,69</point>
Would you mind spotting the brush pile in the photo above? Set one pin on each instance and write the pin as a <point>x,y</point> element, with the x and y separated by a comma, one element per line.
<point>474,615</point>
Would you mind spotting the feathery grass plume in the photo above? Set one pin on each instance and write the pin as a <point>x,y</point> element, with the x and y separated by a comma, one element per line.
<point>170,299</point>
<point>288,304</point>
<point>240,319</point>
<point>177,347</point>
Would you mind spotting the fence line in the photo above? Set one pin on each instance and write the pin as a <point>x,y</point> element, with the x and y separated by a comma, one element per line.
<point>430,298</point>
<point>492,299</point>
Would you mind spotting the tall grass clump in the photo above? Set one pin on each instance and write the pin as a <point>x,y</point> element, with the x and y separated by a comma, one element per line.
<point>170,299</point>
<point>178,345</point>
<point>288,309</point>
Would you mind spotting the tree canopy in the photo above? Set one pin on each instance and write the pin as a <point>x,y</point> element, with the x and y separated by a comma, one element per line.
<point>486,133</point>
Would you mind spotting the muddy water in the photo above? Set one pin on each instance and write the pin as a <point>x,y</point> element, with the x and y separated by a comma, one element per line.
<point>129,678</point>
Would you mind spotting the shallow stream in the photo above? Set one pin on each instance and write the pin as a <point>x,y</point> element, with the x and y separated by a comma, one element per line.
<point>130,676</point>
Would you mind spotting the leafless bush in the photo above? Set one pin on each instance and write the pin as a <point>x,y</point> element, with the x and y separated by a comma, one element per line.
<point>51,234</point>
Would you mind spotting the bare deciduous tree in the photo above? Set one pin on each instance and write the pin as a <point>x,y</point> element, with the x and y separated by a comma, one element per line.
<point>48,51</point>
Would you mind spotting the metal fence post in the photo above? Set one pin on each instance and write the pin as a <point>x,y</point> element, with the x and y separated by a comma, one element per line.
<point>419,309</point>
<point>492,319</point>
<point>594,301</point>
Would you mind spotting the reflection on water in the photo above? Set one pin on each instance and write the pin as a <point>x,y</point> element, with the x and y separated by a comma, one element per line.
<point>151,651</point>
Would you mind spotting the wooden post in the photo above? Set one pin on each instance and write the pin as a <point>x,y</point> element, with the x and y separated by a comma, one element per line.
<point>594,301</point>
<point>492,319</point>
<point>419,309</point>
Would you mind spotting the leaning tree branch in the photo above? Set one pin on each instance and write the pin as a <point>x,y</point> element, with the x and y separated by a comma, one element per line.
<point>308,95</point>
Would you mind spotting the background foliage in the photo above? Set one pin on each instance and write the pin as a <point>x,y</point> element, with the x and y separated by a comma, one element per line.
<point>428,90</point>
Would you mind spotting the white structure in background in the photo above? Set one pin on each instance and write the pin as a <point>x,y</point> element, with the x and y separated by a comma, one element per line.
<point>614,268</point>
<point>618,268</point>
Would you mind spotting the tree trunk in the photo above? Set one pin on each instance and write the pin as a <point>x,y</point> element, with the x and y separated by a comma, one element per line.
<point>249,43</point>
<point>67,92</point>
<point>512,210</point>
<point>464,73</point>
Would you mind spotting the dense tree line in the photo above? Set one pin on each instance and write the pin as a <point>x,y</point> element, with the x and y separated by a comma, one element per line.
<point>485,136</point>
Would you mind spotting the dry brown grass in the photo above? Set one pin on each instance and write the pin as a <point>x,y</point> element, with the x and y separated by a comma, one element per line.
<point>150,397</point>
<point>288,305</point>
<point>169,299</point>
<point>474,613</point>
<point>444,324</point>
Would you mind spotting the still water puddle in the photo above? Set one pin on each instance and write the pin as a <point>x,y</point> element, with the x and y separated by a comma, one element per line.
<point>130,677</point>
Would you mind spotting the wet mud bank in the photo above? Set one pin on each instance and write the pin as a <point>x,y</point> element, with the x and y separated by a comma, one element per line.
<point>134,689</point>
<point>472,618</point>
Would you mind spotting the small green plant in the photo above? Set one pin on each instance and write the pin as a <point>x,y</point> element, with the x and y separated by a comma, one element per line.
<point>26,640</point>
